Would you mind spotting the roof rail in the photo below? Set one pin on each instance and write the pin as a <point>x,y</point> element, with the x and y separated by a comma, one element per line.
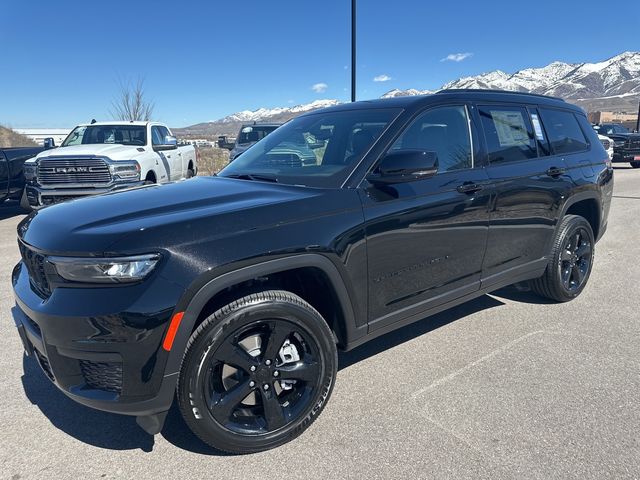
<point>490,90</point>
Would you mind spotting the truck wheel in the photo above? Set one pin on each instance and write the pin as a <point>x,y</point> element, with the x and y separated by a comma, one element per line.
<point>24,201</point>
<point>635,164</point>
<point>190,173</point>
<point>570,261</point>
<point>257,372</point>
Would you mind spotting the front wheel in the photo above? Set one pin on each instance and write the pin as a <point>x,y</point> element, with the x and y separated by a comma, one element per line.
<point>570,262</point>
<point>257,372</point>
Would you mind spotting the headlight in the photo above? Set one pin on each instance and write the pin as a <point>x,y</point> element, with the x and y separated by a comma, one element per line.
<point>105,270</point>
<point>125,170</point>
<point>30,170</point>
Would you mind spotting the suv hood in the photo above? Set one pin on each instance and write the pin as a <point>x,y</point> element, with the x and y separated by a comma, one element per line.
<point>90,225</point>
<point>112,151</point>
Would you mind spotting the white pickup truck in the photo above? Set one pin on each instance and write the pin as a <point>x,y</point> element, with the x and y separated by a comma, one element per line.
<point>102,157</point>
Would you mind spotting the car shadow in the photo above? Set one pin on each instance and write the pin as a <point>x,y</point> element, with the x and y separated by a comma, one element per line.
<point>11,208</point>
<point>94,427</point>
<point>119,432</point>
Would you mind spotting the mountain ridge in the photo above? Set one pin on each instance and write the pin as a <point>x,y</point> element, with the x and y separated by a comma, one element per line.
<point>613,84</point>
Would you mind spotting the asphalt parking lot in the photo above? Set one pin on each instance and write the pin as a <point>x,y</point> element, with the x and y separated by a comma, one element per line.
<point>506,386</point>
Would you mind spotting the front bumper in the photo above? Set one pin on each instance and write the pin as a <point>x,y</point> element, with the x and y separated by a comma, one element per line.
<point>101,346</point>
<point>626,156</point>
<point>41,197</point>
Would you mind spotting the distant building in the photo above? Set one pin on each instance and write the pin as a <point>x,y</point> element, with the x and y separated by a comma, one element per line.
<point>612,117</point>
<point>39,134</point>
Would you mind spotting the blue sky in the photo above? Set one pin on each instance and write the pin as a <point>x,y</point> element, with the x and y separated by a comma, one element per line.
<point>62,60</point>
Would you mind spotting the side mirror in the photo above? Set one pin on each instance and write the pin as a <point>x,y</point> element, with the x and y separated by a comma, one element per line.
<point>405,166</point>
<point>170,143</point>
<point>49,143</point>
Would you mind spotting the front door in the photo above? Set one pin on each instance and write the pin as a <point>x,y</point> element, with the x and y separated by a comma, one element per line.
<point>426,238</point>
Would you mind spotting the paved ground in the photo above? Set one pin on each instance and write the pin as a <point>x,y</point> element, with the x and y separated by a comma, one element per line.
<point>505,386</point>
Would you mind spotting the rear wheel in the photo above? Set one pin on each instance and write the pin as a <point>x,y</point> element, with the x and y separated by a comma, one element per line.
<point>257,372</point>
<point>570,263</point>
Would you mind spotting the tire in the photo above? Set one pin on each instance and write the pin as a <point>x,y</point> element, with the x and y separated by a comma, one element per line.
<point>190,173</point>
<point>24,202</point>
<point>570,262</point>
<point>228,390</point>
<point>635,164</point>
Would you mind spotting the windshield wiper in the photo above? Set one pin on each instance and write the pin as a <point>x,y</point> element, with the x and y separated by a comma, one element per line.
<point>253,176</point>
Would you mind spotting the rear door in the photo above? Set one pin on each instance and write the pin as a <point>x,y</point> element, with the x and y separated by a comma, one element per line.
<point>530,183</point>
<point>426,238</point>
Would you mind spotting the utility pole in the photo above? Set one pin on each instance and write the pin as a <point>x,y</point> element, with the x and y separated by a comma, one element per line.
<point>353,50</point>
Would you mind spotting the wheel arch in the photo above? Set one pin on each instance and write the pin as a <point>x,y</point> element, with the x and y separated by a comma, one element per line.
<point>195,304</point>
<point>588,206</point>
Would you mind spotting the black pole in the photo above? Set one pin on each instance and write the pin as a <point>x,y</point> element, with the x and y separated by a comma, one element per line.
<point>638,120</point>
<point>353,50</point>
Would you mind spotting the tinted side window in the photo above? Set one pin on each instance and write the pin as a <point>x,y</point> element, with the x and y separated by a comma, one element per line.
<point>443,130</point>
<point>565,134</point>
<point>509,135</point>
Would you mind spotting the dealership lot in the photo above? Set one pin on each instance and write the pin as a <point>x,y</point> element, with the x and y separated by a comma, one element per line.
<point>506,386</point>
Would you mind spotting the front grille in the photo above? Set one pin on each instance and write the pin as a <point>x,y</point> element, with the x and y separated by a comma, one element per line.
<point>57,171</point>
<point>44,364</point>
<point>633,143</point>
<point>35,266</point>
<point>102,375</point>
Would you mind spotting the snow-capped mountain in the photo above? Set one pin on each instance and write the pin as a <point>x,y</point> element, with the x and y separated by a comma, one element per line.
<point>613,84</point>
<point>230,124</point>
<point>616,80</point>
<point>266,113</point>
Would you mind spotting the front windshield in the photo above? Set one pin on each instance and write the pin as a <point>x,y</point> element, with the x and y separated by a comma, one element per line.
<point>317,150</point>
<point>254,133</point>
<point>100,134</point>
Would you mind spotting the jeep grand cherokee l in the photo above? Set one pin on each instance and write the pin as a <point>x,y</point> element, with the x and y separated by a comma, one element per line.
<point>235,292</point>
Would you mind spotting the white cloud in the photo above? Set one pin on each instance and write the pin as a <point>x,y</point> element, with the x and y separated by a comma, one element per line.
<point>456,57</point>
<point>319,87</point>
<point>382,78</point>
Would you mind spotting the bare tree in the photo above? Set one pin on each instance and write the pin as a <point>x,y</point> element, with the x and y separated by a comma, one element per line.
<point>131,103</point>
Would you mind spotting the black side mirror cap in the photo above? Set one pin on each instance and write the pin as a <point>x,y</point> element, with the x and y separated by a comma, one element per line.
<point>405,166</point>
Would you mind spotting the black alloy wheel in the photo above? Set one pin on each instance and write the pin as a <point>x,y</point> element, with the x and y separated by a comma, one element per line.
<point>570,261</point>
<point>575,260</point>
<point>257,372</point>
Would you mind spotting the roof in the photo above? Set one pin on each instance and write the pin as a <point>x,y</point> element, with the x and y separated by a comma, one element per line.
<point>121,122</point>
<point>418,101</point>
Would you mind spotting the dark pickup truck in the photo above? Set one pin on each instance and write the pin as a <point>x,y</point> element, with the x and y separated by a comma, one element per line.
<point>12,179</point>
<point>234,293</point>
<point>626,145</point>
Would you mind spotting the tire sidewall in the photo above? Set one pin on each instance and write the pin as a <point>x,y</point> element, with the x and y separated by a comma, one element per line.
<point>573,225</point>
<point>217,328</point>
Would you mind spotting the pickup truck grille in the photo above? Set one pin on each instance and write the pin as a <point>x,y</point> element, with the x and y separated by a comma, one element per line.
<point>73,171</point>
<point>633,144</point>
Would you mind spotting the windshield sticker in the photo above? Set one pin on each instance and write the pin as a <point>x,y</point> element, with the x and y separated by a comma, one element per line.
<point>510,127</point>
<point>537,127</point>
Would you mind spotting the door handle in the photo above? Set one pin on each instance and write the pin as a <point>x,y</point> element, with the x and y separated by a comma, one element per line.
<point>469,187</point>
<point>555,171</point>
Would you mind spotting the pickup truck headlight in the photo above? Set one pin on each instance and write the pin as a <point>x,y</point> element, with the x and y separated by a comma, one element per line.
<point>105,270</point>
<point>125,170</point>
<point>29,171</point>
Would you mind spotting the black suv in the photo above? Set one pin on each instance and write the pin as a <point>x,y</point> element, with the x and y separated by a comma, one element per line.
<point>235,292</point>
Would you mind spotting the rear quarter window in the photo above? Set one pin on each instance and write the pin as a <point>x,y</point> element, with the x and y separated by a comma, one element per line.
<point>563,129</point>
